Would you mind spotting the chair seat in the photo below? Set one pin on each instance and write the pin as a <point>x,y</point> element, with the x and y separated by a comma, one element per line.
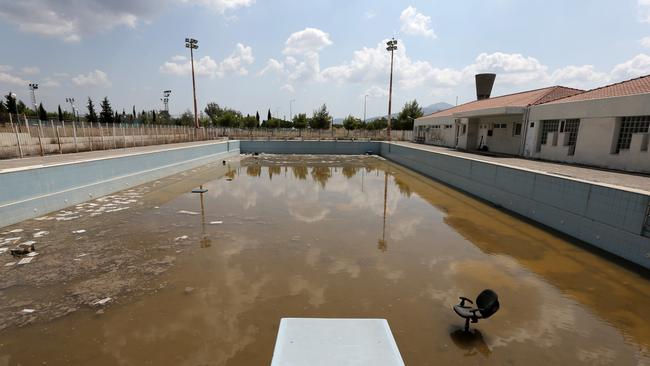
<point>466,312</point>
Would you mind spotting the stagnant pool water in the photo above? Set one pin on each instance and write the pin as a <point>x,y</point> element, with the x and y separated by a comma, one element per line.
<point>204,279</point>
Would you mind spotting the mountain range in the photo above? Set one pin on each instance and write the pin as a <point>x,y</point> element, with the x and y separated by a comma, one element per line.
<point>425,110</point>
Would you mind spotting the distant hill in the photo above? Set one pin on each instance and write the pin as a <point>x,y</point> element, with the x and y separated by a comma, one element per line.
<point>426,110</point>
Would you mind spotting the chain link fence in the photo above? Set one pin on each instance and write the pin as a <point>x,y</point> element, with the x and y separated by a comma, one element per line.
<point>22,136</point>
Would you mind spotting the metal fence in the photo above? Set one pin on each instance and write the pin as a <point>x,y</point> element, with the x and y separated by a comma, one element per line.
<point>22,136</point>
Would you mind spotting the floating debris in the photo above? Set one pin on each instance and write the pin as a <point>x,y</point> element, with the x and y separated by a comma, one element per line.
<point>189,289</point>
<point>32,254</point>
<point>9,264</point>
<point>102,302</point>
<point>118,209</point>
<point>67,218</point>
<point>82,255</point>
<point>43,218</point>
<point>181,238</point>
<point>14,231</point>
<point>23,249</point>
<point>25,260</point>
<point>2,250</point>
<point>41,234</point>
<point>216,222</point>
<point>27,311</point>
<point>188,212</point>
<point>80,231</point>
<point>199,190</point>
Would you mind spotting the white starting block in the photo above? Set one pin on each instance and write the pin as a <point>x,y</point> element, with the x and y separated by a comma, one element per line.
<point>335,342</point>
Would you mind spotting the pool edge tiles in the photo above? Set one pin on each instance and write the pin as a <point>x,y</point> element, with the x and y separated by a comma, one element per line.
<point>35,192</point>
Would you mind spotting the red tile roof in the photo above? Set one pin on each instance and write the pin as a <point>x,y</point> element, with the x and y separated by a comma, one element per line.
<point>522,99</point>
<point>629,87</point>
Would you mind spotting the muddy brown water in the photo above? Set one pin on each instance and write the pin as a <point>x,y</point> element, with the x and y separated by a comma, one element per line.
<point>206,283</point>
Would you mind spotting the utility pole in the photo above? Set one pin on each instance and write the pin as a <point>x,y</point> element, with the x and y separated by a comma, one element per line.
<point>392,46</point>
<point>365,102</point>
<point>192,44</point>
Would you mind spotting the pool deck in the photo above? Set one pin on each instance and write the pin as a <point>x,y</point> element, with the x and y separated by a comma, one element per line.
<point>627,181</point>
<point>10,165</point>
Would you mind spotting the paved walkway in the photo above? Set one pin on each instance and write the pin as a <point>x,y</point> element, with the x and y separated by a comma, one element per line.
<point>625,180</point>
<point>41,161</point>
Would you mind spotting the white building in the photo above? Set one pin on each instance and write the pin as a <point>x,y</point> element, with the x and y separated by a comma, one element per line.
<point>605,127</point>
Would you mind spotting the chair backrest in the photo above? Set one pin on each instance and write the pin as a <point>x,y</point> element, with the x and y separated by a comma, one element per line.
<point>487,302</point>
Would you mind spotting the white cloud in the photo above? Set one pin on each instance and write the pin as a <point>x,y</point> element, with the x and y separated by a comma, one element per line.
<point>375,92</point>
<point>30,70</point>
<point>96,78</point>
<point>584,76</point>
<point>645,42</point>
<point>639,65</point>
<point>72,20</point>
<point>415,23</point>
<point>307,41</point>
<point>6,78</point>
<point>221,6</point>
<point>6,68</point>
<point>369,14</point>
<point>272,66</point>
<point>235,63</point>
<point>69,20</point>
<point>50,82</point>
<point>287,87</point>
<point>644,10</point>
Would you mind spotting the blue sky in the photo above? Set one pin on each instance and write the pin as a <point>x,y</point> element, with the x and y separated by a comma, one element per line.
<point>260,54</point>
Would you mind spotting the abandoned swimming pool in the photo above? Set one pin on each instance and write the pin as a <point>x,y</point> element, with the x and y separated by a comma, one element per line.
<point>204,279</point>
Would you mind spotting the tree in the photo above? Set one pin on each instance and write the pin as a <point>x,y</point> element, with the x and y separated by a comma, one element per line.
<point>186,119</point>
<point>42,114</point>
<point>268,116</point>
<point>407,116</point>
<point>3,109</point>
<point>22,108</point>
<point>257,117</point>
<point>92,115</point>
<point>320,118</point>
<point>153,117</point>
<point>300,121</point>
<point>11,103</point>
<point>377,124</point>
<point>60,113</point>
<point>144,118</point>
<point>106,114</point>
<point>135,115</point>
<point>352,123</point>
<point>164,117</point>
<point>249,122</point>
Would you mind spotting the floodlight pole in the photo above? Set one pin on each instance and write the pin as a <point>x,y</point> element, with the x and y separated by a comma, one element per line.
<point>365,102</point>
<point>291,109</point>
<point>392,46</point>
<point>32,88</point>
<point>192,44</point>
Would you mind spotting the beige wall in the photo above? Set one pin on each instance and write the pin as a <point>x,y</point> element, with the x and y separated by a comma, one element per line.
<point>597,135</point>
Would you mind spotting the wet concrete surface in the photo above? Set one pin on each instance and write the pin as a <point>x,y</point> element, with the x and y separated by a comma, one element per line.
<point>204,279</point>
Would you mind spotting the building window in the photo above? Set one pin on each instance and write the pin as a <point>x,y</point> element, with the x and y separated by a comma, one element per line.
<point>463,129</point>
<point>548,126</point>
<point>571,126</point>
<point>629,126</point>
<point>516,131</point>
<point>500,125</point>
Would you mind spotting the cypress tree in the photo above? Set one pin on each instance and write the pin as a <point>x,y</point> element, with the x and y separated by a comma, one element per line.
<point>60,113</point>
<point>268,117</point>
<point>106,115</point>
<point>92,115</point>
<point>42,114</point>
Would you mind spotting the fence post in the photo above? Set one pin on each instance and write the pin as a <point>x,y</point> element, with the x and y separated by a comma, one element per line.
<point>40,141</point>
<point>123,127</point>
<point>101,134</point>
<point>26,124</point>
<point>114,137</point>
<point>74,136</point>
<point>14,127</point>
<point>63,125</point>
<point>58,139</point>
